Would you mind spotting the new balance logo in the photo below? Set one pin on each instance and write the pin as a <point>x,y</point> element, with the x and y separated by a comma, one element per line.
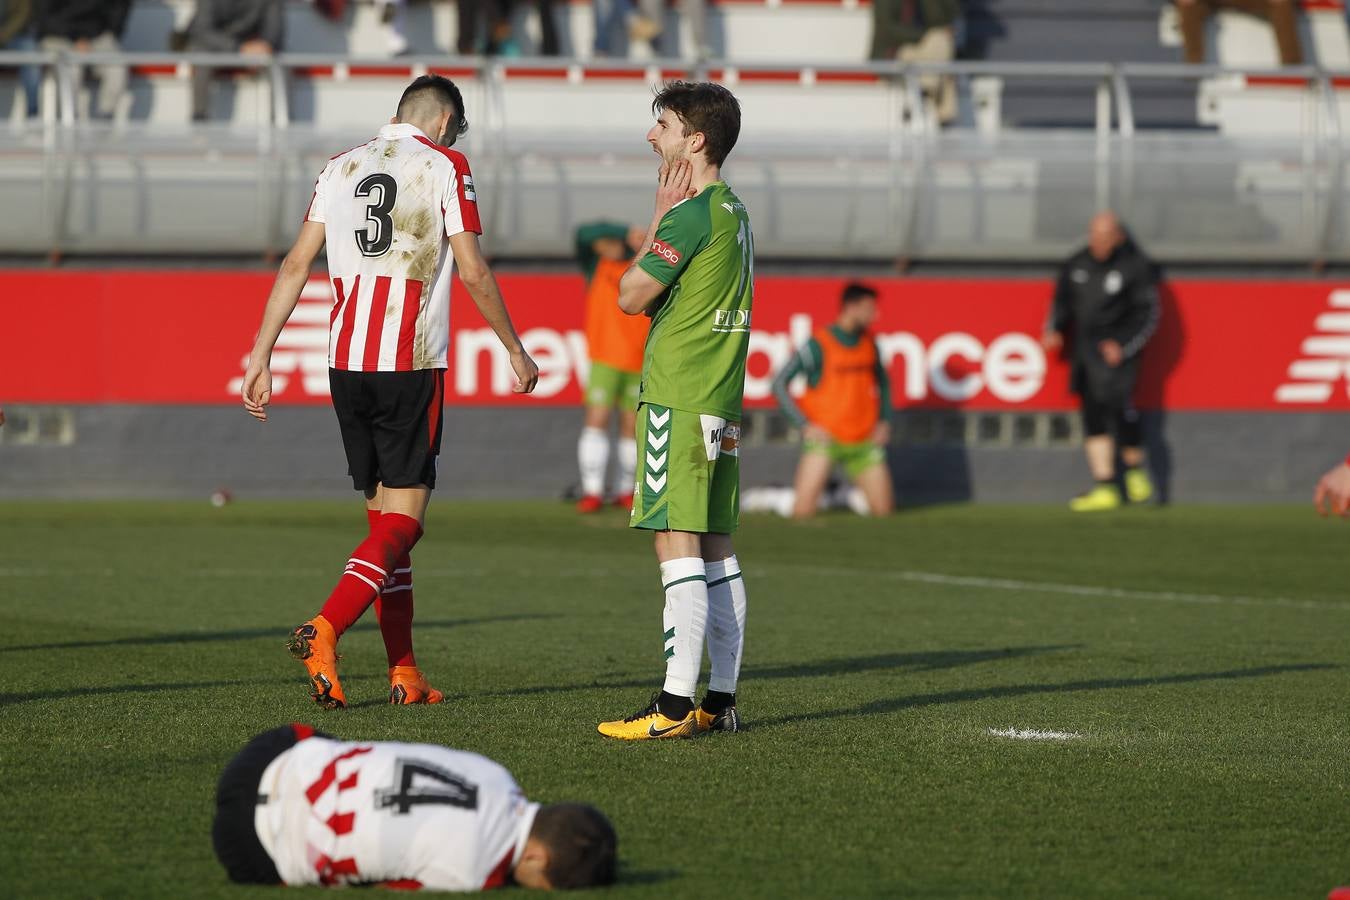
<point>302,347</point>
<point>1325,359</point>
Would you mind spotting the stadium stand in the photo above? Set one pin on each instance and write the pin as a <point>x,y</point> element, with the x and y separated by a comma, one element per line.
<point>1065,107</point>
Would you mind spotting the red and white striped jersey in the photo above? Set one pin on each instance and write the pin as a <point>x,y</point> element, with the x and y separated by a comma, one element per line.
<point>407,815</point>
<point>389,208</point>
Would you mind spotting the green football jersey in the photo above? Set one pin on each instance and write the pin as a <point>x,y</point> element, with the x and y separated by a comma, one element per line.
<point>695,356</point>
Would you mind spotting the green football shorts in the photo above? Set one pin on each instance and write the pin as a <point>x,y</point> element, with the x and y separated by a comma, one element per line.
<point>610,387</point>
<point>688,473</point>
<point>854,458</point>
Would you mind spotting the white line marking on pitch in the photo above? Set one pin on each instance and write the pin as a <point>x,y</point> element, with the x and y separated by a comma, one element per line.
<point>1077,590</point>
<point>1032,734</point>
<point>972,581</point>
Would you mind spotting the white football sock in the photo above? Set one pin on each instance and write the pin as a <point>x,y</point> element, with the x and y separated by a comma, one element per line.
<point>726,623</point>
<point>627,468</point>
<point>685,620</point>
<point>593,456</point>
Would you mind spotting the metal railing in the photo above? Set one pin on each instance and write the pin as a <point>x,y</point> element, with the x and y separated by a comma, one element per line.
<point>906,186</point>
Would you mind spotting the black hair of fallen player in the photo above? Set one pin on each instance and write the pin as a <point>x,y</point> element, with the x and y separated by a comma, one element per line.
<point>703,107</point>
<point>446,91</point>
<point>855,291</point>
<point>582,846</point>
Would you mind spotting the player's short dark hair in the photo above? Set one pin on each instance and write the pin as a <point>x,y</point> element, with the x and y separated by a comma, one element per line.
<point>581,845</point>
<point>855,291</point>
<point>440,90</point>
<point>703,107</point>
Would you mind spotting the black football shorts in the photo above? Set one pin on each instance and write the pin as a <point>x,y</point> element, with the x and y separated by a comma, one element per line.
<point>391,425</point>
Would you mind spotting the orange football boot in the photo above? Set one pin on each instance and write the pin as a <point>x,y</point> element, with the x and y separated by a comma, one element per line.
<point>408,685</point>
<point>315,645</point>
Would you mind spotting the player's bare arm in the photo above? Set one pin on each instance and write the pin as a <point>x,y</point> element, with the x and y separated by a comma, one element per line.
<point>1333,492</point>
<point>290,281</point>
<point>638,290</point>
<point>482,286</point>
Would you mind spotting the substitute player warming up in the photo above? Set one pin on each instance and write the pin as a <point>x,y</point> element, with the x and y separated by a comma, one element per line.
<point>845,413</point>
<point>614,344</point>
<point>299,807</point>
<point>397,213</point>
<point>695,277</point>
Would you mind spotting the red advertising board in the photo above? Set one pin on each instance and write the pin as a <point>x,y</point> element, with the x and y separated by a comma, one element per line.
<point>181,337</point>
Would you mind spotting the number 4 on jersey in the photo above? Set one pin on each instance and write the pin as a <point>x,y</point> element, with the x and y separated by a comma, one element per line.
<point>417,782</point>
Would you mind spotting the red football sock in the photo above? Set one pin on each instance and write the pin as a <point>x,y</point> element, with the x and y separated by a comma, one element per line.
<point>394,611</point>
<point>370,565</point>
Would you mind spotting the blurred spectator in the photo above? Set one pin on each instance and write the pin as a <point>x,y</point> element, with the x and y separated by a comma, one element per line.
<point>845,413</point>
<point>614,344</point>
<point>1279,13</point>
<point>253,27</point>
<point>391,23</point>
<point>1106,309</point>
<point>16,33</point>
<point>650,22</point>
<point>88,26</point>
<point>920,31</point>
<point>610,19</point>
<point>501,39</point>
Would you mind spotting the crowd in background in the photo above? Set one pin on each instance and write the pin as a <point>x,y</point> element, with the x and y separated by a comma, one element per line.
<point>904,30</point>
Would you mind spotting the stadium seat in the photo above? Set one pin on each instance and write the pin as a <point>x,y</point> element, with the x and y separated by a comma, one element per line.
<point>1265,105</point>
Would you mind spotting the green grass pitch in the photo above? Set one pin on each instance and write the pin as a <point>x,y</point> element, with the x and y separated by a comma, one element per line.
<point>1198,653</point>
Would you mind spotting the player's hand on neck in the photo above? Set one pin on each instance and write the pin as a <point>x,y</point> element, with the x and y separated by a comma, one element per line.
<point>704,173</point>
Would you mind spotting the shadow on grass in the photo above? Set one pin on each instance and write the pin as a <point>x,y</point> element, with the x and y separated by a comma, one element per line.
<point>68,693</point>
<point>152,688</point>
<point>896,704</point>
<point>628,875</point>
<point>925,661</point>
<point>247,634</point>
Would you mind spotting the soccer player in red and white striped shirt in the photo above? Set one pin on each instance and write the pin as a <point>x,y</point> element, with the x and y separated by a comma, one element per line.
<point>298,807</point>
<point>397,213</point>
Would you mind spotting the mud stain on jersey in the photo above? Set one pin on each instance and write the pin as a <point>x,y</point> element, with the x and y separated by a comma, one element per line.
<point>350,167</point>
<point>419,246</point>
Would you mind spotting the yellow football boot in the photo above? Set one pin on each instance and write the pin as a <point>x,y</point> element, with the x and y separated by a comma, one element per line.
<point>649,724</point>
<point>1102,497</point>
<point>315,644</point>
<point>1138,486</point>
<point>407,685</point>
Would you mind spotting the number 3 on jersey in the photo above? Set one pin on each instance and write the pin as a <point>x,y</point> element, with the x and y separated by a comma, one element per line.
<point>384,190</point>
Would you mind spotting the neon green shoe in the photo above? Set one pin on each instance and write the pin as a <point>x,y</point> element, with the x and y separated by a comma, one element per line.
<point>1138,486</point>
<point>1102,497</point>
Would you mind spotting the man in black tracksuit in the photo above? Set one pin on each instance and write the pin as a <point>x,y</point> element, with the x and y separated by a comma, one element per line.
<point>1106,308</point>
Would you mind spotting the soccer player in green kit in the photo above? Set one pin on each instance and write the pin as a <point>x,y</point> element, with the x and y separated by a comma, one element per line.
<point>695,278</point>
